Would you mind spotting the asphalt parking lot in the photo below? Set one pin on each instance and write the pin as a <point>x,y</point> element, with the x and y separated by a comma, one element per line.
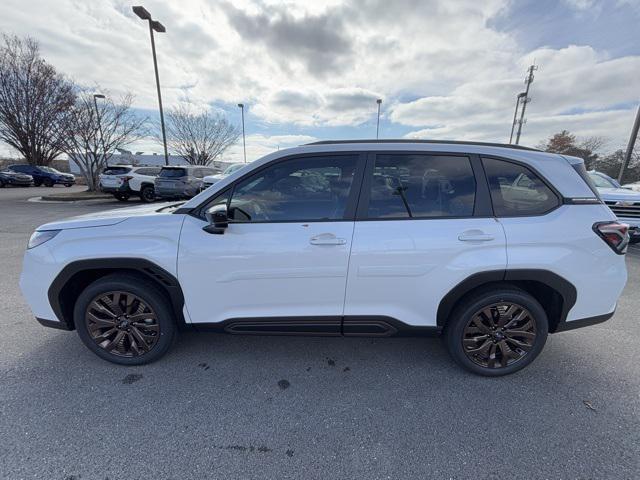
<point>234,407</point>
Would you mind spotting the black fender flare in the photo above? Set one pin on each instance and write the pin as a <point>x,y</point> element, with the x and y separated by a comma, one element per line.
<point>561,285</point>
<point>105,266</point>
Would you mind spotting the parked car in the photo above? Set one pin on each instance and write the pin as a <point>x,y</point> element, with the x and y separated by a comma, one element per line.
<point>624,202</point>
<point>7,177</point>
<point>181,182</point>
<point>47,176</point>
<point>211,179</point>
<point>126,180</point>
<point>490,246</point>
<point>635,186</point>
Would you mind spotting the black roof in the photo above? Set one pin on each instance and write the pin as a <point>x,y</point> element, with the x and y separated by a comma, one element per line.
<point>407,140</point>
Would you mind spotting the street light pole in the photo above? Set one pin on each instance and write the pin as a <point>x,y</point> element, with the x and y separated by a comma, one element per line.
<point>378,101</point>
<point>95,102</point>
<point>154,25</point>
<point>244,143</point>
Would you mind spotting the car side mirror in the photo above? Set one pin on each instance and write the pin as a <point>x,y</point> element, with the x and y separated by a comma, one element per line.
<point>217,218</point>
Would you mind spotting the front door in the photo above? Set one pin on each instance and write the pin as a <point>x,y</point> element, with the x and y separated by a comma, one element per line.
<point>285,253</point>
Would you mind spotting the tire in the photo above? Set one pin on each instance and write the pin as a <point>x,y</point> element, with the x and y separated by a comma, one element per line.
<point>68,184</point>
<point>37,183</point>
<point>147,194</point>
<point>47,182</point>
<point>470,328</point>
<point>123,197</point>
<point>159,331</point>
<point>2,184</point>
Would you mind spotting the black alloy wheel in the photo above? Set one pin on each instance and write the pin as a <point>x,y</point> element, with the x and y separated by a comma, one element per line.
<point>499,335</point>
<point>47,182</point>
<point>125,319</point>
<point>122,324</point>
<point>496,330</point>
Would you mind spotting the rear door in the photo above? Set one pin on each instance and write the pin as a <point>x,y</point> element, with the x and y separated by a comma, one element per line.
<point>424,225</point>
<point>285,254</point>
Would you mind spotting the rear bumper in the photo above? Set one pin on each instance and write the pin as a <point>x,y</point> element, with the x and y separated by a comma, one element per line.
<point>164,192</point>
<point>583,322</point>
<point>121,189</point>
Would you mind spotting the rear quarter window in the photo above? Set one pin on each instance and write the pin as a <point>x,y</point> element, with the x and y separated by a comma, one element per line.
<point>116,170</point>
<point>517,190</point>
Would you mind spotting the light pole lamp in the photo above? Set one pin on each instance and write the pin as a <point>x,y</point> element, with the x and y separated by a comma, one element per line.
<point>156,26</point>
<point>95,103</point>
<point>379,102</point>
<point>244,143</point>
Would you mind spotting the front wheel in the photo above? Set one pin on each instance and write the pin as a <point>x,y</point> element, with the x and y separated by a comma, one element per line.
<point>124,319</point>
<point>2,184</point>
<point>496,331</point>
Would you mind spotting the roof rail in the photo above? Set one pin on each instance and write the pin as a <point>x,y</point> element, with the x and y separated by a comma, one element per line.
<point>437,142</point>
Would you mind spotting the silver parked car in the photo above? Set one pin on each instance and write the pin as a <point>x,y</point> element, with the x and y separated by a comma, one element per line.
<point>623,201</point>
<point>184,181</point>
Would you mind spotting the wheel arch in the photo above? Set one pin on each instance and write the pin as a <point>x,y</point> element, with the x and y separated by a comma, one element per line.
<point>76,276</point>
<point>556,294</point>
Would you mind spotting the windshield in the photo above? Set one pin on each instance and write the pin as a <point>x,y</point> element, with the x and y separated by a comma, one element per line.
<point>603,182</point>
<point>173,172</point>
<point>232,168</point>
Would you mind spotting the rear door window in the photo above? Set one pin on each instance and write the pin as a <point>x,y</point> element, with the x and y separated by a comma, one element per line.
<point>516,190</point>
<point>173,172</point>
<point>421,186</point>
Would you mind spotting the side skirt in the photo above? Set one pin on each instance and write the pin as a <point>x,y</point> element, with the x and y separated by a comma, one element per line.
<point>350,326</point>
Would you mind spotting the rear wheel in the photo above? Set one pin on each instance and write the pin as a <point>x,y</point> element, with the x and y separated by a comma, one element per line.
<point>496,331</point>
<point>147,194</point>
<point>37,183</point>
<point>123,197</point>
<point>124,319</point>
<point>68,184</point>
<point>47,182</point>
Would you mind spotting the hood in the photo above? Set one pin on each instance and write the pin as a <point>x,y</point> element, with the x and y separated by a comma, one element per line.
<point>109,217</point>
<point>619,195</point>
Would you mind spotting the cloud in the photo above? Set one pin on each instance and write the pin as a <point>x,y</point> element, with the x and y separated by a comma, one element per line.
<point>317,40</point>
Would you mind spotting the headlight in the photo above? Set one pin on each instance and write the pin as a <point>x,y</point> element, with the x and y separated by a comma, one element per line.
<point>39,237</point>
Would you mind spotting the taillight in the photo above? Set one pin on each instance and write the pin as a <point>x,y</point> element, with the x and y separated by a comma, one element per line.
<point>615,234</point>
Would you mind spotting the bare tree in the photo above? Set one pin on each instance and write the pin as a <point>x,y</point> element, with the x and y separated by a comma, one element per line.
<point>34,101</point>
<point>199,138</point>
<point>91,136</point>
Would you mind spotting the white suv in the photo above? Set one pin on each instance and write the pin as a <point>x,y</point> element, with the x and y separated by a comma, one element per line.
<point>491,246</point>
<point>125,180</point>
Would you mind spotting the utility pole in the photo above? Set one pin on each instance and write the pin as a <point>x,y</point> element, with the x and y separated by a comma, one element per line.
<point>525,99</point>
<point>515,117</point>
<point>244,143</point>
<point>378,101</point>
<point>632,143</point>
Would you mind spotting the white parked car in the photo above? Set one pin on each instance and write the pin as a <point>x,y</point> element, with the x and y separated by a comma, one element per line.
<point>623,201</point>
<point>491,246</point>
<point>126,180</point>
<point>212,179</point>
<point>635,186</point>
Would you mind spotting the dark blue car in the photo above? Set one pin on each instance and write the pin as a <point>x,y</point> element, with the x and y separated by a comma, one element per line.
<point>46,176</point>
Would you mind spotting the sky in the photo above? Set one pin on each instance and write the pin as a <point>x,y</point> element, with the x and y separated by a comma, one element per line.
<point>312,70</point>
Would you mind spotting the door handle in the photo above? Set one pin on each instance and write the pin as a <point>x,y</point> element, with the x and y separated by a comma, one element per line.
<point>327,239</point>
<point>475,236</point>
